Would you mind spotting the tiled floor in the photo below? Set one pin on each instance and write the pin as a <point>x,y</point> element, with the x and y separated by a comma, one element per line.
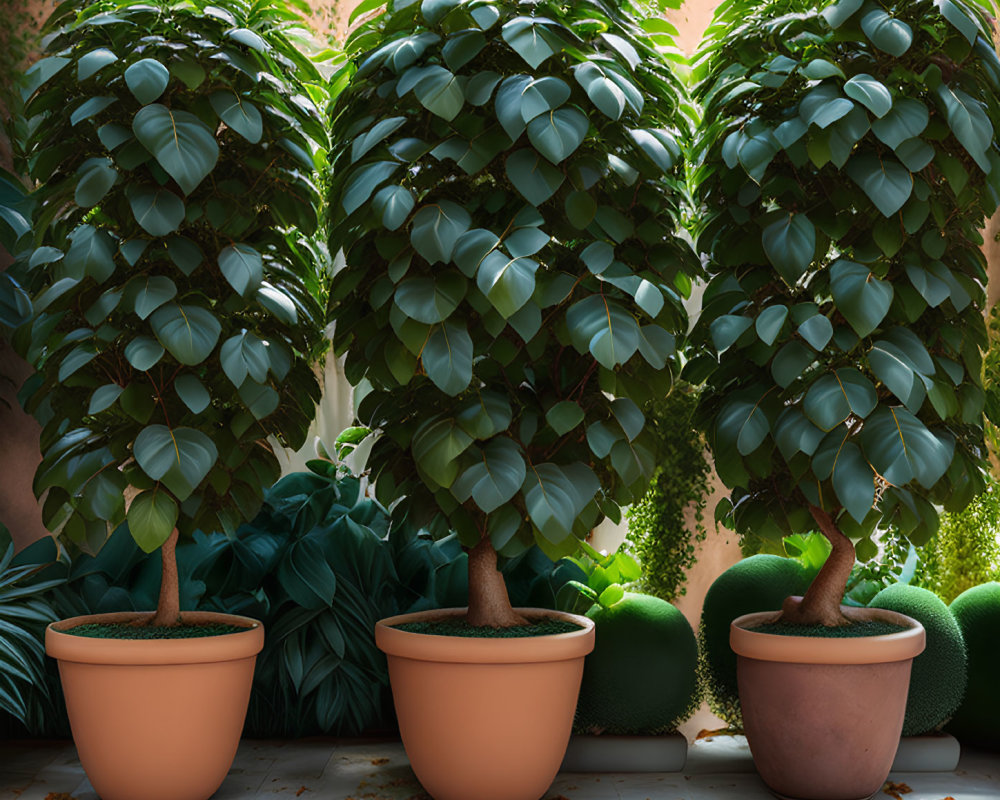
<point>717,769</point>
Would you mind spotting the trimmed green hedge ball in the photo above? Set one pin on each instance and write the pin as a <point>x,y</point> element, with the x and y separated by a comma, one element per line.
<point>758,583</point>
<point>977,611</point>
<point>937,682</point>
<point>641,676</point>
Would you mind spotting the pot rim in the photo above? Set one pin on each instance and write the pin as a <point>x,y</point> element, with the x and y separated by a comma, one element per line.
<point>470,650</point>
<point>899,646</point>
<point>145,652</point>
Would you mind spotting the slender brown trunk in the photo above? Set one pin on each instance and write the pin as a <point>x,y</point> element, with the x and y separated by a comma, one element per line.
<point>489,603</point>
<point>821,604</point>
<point>168,609</point>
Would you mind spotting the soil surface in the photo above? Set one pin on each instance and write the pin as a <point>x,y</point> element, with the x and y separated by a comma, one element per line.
<point>852,631</point>
<point>546,627</point>
<point>95,630</point>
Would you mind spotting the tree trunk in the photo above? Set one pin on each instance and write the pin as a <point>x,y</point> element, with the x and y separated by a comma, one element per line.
<point>168,609</point>
<point>489,604</point>
<point>821,604</point>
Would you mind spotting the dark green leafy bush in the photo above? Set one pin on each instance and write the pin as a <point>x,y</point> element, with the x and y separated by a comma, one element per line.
<point>977,611</point>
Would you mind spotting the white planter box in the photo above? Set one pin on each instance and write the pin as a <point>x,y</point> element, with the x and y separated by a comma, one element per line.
<point>664,753</point>
<point>932,752</point>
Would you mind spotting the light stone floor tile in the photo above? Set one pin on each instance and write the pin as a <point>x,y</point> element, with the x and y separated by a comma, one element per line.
<point>326,769</point>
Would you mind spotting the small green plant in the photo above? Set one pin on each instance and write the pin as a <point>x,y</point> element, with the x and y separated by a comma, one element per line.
<point>657,524</point>
<point>507,179</point>
<point>608,577</point>
<point>177,293</point>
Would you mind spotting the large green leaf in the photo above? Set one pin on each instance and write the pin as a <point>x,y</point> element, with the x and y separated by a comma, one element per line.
<point>790,244</point>
<point>862,298</point>
<point>838,13</point>
<point>901,448</point>
<point>961,21</point>
<point>495,478</point>
<point>823,106</point>
<point>853,481</point>
<point>430,300</point>
<point>507,282</point>
<point>602,90</point>
<point>244,355</point>
<point>151,518</point>
<point>239,114</point>
<point>462,48</point>
<point>440,92</point>
<point>192,392</point>
<point>147,79</point>
<point>447,357</point>
<point>92,253</point>
<point>557,134</point>
<point>742,421</point>
<point>89,64</point>
<point>870,92</point>
<point>886,182</point>
<point>436,228</point>
<point>906,119</point>
<point>394,204</point>
<point>436,447</point>
<point>487,416</point>
<point>243,267</point>
<point>157,209</point>
<point>189,332</point>
<point>179,457</point>
<point>564,416</point>
<point>969,122</point>
<point>555,495</point>
<point>94,178</point>
<point>887,33</point>
<point>363,182</point>
<point>143,352</point>
<point>896,371</point>
<point>794,433</point>
<point>152,292</point>
<point>769,323</point>
<point>542,95</point>
<point>835,396</point>
<point>604,328</point>
<point>529,38</point>
<point>181,143</point>
<point>533,177</point>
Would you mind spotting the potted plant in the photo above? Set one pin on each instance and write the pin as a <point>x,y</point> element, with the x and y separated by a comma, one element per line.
<point>174,329</point>
<point>847,163</point>
<point>506,182</point>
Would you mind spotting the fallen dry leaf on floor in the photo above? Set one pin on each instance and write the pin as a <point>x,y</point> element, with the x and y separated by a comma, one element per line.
<point>378,762</point>
<point>896,790</point>
<point>707,734</point>
<point>302,791</point>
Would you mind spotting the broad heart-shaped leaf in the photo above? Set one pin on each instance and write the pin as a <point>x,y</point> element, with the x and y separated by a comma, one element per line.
<point>90,63</point>
<point>564,416</point>
<point>509,101</point>
<point>440,92</point>
<point>915,154</point>
<point>244,355</point>
<point>602,91</point>
<point>495,478</point>
<point>89,108</point>
<point>185,254</point>
<point>143,352</point>
<point>906,119</point>
<point>743,422</point>
<point>181,143</point>
<point>462,47</point>
<point>605,329</point>
<point>529,38</point>
<point>157,209</point>
<point>378,133</point>
<point>959,20</point>
<point>896,371</point>
<point>104,397</point>
<point>853,481</point>
<point>871,93</point>
<point>447,357</point>
<point>431,300</point>
<point>242,267</point>
<point>659,146</point>
<point>727,329</point>
<point>153,292</point>
<point>508,283</point>
<point>835,396</point>
<point>533,177</point>
<point>92,253</point>
<point>94,178</point>
<point>180,457</point>
<point>542,95</point>
<point>902,448</point>
<point>436,446</point>
<point>363,182</point>
<point>436,228</point>
<point>824,105</point>
<point>192,392</point>
<point>888,34</point>
<point>147,79</point>
<point>790,361</point>
<point>769,323</point>
<point>862,298</point>
<point>969,122</point>
<point>472,247</point>
<point>790,244</point>
<point>239,114</point>
<point>555,495</point>
<point>394,204</point>
<point>817,330</point>
<point>151,518</point>
<point>261,400</point>
<point>793,433</point>
<point>189,332</point>
<point>489,415</point>
<point>886,182</point>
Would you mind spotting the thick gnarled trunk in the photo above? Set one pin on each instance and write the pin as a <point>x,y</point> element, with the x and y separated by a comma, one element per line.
<point>489,603</point>
<point>821,603</point>
<point>168,609</point>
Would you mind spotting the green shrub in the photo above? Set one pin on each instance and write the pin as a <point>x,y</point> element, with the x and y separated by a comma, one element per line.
<point>641,677</point>
<point>965,552</point>
<point>939,676</point>
<point>657,523</point>
<point>758,583</point>
<point>977,611</point>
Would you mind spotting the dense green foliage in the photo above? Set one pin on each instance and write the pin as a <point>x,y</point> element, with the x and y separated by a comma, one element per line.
<point>965,551</point>
<point>977,611</point>
<point>177,294</point>
<point>657,524</point>
<point>758,583</point>
<point>641,676</point>
<point>939,674</point>
<point>507,178</point>
<point>847,164</point>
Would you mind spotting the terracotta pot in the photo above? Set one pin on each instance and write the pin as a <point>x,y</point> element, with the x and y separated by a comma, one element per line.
<point>487,719</point>
<point>823,716</point>
<point>156,719</point>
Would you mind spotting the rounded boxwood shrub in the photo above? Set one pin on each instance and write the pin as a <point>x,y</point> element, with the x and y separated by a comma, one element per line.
<point>939,674</point>
<point>641,676</point>
<point>758,583</point>
<point>977,611</point>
